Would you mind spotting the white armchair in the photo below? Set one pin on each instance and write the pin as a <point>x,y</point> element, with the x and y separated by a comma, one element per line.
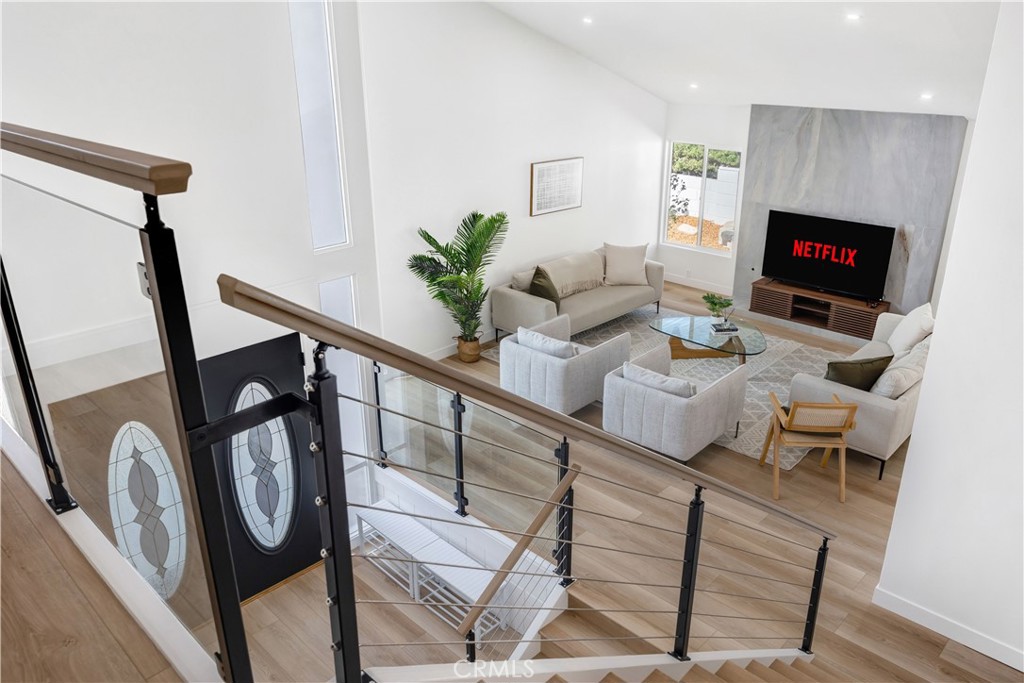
<point>670,424</point>
<point>883,424</point>
<point>562,384</point>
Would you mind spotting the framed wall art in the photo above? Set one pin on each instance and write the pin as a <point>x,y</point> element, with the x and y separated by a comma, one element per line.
<point>556,185</point>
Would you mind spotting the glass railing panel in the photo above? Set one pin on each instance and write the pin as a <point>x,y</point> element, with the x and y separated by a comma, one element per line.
<point>510,467</point>
<point>12,399</point>
<point>92,340</point>
<point>417,423</point>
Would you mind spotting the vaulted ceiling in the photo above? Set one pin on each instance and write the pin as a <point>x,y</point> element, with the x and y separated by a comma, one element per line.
<point>861,55</point>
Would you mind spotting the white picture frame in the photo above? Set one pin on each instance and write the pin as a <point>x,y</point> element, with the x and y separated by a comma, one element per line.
<point>556,185</point>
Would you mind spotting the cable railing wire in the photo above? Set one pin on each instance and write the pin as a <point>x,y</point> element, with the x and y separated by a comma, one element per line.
<point>751,597</point>
<point>519,533</point>
<point>572,640</point>
<point>760,531</point>
<point>754,576</point>
<point>751,552</point>
<point>393,463</point>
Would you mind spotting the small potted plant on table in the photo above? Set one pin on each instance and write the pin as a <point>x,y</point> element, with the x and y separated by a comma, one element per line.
<point>454,273</point>
<point>718,305</point>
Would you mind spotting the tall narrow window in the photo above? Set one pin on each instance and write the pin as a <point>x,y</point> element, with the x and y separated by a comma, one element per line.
<point>702,191</point>
<point>319,122</point>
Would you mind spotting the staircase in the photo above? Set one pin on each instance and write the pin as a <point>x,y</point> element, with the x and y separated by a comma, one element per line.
<point>771,666</point>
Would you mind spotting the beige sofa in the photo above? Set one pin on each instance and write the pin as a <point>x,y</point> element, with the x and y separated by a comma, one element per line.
<point>512,305</point>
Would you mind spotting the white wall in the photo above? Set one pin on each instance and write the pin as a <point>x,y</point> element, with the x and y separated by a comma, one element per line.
<point>719,127</point>
<point>209,83</point>
<point>954,557</point>
<point>460,100</point>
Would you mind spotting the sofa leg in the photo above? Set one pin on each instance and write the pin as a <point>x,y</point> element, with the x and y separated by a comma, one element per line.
<point>657,306</point>
<point>737,430</point>
<point>881,468</point>
<point>497,333</point>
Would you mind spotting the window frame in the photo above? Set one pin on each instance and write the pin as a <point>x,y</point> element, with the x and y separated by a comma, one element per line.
<point>667,187</point>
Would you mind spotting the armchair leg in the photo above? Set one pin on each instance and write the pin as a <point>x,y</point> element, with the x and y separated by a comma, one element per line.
<point>824,458</point>
<point>657,306</point>
<point>737,434</point>
<point>497,334</point>
<point>881,468</point>
<point>842,474</point>
<point>767,441</point>
<point>775,471</point>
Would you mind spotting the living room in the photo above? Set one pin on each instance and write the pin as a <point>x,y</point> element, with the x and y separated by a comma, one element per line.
<point>443,108</point>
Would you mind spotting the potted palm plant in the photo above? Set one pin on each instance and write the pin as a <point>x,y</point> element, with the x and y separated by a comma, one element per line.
<point>454,273</point>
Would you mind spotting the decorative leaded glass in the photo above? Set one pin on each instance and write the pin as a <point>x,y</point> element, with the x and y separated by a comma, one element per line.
<point>263,469</point>
<point>146,508</point>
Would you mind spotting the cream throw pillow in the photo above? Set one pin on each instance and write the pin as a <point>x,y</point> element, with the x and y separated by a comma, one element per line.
<point>625,265</point>
<point>917,325</point>
<point>545,344</point>
<point>523,279</point>
<point>903,373</point>
<point>656,380</point>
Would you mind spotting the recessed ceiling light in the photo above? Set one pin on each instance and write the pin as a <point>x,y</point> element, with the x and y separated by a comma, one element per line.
<point>926,96</point>
<point>694,86</point>
<point>852,16</point>
<point>588,20</point>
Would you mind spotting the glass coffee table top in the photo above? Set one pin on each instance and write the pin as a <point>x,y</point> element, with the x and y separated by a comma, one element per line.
<point>696,329</point>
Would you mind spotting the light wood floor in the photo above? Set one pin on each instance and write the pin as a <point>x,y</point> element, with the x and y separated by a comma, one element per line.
<point>60,621</point>
<point>288,628</point>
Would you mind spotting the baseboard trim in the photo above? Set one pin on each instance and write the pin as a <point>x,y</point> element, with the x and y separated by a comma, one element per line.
<point>998,650</point>
<point>698,283</point>
<point>171,637</point>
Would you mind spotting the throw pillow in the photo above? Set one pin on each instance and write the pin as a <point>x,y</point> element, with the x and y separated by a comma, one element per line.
<point>625,265</point>
<point>860,373</point>
<point>542,286</point>
<point>522,279</point>
<point>914,327</point>
<point>574,273</point>
<point>903,373</point>
<point>656,380</point>
<point>545,344</point>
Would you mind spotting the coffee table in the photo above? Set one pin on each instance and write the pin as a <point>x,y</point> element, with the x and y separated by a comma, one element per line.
<point>747,340</point>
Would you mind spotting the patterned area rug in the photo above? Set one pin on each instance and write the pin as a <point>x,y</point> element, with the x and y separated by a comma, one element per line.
<point>769,371</point>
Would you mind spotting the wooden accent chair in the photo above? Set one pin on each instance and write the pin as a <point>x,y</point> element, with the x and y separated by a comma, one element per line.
<point>810,425</point>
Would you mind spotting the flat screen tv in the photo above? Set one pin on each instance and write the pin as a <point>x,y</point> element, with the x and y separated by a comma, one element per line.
<point>828,254</point>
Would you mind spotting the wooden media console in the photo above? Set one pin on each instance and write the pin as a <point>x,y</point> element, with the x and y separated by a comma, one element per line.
<point>834,312</point>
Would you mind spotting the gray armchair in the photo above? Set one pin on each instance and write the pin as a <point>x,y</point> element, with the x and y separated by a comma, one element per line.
<point>670,424</point>
<point>562,384</point>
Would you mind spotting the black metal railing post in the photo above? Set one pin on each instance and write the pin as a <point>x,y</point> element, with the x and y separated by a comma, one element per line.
<point>381,453</point>
<point>563,519</point>
<point>189,406</point>
<point>458,408</point>
<point>812,605</point>
<point>471,646</point>
<point>332,500</point>
<point>688,587</point>
<point>60,500</point>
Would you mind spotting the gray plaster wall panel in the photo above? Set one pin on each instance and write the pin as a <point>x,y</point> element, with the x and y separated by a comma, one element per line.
<point>889,169</point>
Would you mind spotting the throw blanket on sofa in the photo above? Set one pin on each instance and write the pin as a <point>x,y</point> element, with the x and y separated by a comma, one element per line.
<point>574,273</point>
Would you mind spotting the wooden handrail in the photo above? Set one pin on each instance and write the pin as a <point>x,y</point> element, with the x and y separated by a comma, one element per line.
<point>517,551</point>
<point>263,304</point>
<point>137,170</point>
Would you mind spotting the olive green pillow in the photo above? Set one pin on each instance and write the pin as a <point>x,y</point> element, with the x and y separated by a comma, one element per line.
<point>861,373</point>
<point>543,286</point>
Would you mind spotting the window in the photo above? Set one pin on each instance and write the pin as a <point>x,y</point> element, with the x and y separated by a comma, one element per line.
<point>319,123</point>
<point>702,189</point>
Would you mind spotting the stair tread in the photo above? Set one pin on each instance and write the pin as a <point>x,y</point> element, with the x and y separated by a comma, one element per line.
<point>611,678</point>
<point>731,672</point>
<point>699,674</point>
<point>791,673</point>
<point>766,674</point>
<point>572,625</point>
<point>822,671</point>
<point>659,676</point>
